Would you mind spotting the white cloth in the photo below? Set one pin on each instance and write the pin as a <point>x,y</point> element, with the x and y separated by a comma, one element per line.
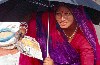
<point>10,59</point>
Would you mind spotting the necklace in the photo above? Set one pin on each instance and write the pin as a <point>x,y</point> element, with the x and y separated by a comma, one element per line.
<point>72,34</point>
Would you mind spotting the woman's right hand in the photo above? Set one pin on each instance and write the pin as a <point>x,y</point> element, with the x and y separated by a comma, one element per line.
<point>48,61</point>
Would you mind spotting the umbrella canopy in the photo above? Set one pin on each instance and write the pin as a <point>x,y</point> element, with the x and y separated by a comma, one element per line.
<point>90,7</point>
<point>88,3</point>
<point>95,4</point>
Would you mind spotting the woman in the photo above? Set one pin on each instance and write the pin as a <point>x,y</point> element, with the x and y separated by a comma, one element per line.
<point>72,37</point>
<point>74,46</point>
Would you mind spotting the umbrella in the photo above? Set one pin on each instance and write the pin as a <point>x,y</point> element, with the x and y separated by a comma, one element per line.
<point>17,9</point>
<point>90,7</point>
<point>88,3</point>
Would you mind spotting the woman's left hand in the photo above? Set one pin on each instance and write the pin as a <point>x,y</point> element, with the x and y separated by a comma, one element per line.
<point>48,61</point>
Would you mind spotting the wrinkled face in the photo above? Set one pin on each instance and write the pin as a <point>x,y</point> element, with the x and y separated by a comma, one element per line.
<point>64,17</point>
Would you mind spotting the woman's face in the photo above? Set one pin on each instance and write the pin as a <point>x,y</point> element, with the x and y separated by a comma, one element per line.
<point>64,17</point>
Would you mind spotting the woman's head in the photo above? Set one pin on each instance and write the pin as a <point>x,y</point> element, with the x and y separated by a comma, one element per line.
<point>64,16</point>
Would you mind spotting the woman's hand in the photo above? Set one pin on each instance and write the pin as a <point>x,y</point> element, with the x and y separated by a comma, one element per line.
<point>48,61</point>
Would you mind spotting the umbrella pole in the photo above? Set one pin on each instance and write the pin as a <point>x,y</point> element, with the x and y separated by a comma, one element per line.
<point>48,31</point>
<point>48,38</point>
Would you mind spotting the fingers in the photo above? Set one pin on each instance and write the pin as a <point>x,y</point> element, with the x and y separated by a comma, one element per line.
<point>45,63</point>
<point>48,61</point>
